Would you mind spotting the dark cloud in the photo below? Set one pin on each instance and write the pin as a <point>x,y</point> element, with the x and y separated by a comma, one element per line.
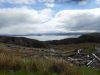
<point>79,20</point>
<point>60,1</point>
<point>15,19</point>
<point>77,0</point>
<point>86,22</point>
<point>69,1</point>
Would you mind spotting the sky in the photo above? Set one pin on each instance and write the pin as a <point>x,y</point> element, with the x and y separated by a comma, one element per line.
<point>44,16</point>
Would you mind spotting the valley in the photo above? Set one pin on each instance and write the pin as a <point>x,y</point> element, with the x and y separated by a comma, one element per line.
<point>22,55</point>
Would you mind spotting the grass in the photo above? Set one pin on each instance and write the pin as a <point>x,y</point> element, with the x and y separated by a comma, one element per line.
<point>11,64</point>
<point>21,73</point>
<point>89,47</point>
<point>83,71</point>
<point>17,73</point>
<point>16,65</point>
<point>89,71</point>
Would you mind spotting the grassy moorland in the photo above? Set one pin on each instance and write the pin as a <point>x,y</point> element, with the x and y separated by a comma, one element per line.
<point>23,56</point>
<point>16,65</point>
<point>89,71</point>
<point>89,47</point>
<point>13,62</point>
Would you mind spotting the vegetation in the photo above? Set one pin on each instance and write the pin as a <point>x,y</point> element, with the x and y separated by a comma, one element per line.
<point>88,47</point>
<point>17,65</point>
<point>86,38</point>
<point>15,62</point>
<point>89,71</point>
<point>21,41</point>
<point>10,65</point>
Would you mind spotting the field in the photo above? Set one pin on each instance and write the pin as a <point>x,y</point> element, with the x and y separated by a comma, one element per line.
<point>84,71</point>
<point>16,60</point>
<point>89,71</point>
<point>17,65</point>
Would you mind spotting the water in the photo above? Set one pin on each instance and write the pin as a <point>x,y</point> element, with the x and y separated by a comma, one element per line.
<point>53,37</point>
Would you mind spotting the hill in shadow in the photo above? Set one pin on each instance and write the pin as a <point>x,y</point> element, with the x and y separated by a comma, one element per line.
<point>85,38</point>
<point>22,41</point>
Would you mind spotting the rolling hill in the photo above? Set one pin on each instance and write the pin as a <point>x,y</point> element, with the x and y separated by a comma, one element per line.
<point>22,41</point>
<point>84,38</point>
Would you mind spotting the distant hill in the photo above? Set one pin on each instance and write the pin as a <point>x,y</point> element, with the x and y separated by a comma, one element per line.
<point>84,38</point>
<point>46,33</point>
<point>96,35</point>
<point>22,41</point>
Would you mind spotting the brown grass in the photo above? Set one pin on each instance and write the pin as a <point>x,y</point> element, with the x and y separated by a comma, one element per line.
<point>43,66</point>
<point>71,47</point>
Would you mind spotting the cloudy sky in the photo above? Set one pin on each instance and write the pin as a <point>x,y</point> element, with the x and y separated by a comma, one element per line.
<point>37,16</point>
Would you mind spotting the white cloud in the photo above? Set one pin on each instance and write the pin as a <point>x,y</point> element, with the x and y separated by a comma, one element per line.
<point>43,1</point>
<point>79,20</point>
<point>26,20</point>
<point>74,20</point>
<point>27,1</point>
<point>98,1</point>
<point>50,5</point>
<point>19,1</point>
<point>25,15</point>
<point>22,20</point>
